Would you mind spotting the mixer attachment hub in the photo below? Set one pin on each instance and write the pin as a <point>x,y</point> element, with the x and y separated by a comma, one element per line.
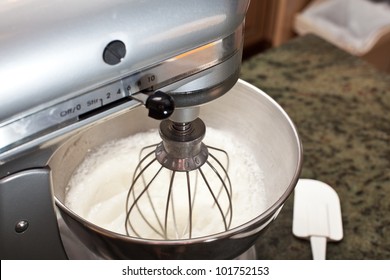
<point>182,148</point>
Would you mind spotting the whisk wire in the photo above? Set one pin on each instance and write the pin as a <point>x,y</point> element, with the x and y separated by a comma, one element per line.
<point>214,197</point>
<point>136,199</point>
<point>230,208</point>
<point>224,169</point>
<point>189,205</point>
<point>156,216</point>
<point>169,197</point>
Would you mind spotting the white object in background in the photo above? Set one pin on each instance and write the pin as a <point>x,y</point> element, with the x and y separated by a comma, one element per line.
<point>353,25</point>
<point>317,215</point>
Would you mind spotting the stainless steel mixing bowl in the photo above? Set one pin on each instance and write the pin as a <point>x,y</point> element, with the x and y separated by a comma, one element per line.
<point>245,111</point>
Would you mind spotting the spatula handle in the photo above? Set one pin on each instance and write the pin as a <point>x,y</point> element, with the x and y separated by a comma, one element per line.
<point>318,247</point>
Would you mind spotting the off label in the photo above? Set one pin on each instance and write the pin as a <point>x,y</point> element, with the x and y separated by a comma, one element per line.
<point>70,111</point>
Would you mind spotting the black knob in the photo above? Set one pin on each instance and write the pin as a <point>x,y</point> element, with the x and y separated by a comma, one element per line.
<point>160,105</point>
<point>114,52</point>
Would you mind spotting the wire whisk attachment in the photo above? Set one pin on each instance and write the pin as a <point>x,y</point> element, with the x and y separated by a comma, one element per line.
<point>180,188</point>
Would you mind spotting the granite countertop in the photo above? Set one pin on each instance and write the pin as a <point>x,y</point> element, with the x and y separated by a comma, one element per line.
<point>341,107</point>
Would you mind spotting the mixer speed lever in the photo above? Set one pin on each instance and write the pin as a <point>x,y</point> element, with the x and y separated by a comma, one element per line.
<point>160,104</point>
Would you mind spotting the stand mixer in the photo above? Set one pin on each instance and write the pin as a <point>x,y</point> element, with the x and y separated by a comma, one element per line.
<point>75,76</point>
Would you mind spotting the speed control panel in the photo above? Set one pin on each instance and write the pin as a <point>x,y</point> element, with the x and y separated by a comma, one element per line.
<point>66,112</point>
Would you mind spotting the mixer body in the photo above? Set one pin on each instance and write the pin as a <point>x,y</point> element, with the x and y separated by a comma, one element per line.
<point>67,66</point>
<point>70,73</point>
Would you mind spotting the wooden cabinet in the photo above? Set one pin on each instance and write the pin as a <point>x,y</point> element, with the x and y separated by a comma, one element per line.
<point>270,23</point>
<point>257,22</point>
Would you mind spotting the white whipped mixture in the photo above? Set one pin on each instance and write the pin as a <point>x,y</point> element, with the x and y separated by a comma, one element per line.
<point>98,189</point>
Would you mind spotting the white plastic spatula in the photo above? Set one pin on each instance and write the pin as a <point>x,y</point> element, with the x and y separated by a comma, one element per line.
<point>317,215</point>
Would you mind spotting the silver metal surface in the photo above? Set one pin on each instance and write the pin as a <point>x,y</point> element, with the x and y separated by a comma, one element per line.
<point>28,224</point>
<point>47,44</point>
<point>185,115</point>
<point>245,110</point>
<point>21,226</point>
<point>56,49</point>
<point>23,128</point>
<point>75,249</point>
<point>181,148</point>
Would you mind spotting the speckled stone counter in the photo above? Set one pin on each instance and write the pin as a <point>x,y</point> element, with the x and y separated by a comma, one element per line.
<point>341,107</point>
